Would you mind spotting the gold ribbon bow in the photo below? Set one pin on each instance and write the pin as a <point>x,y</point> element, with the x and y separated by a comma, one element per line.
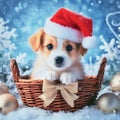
<point>67,91</point>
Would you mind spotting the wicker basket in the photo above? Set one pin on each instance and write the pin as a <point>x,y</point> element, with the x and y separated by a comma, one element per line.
<point>30,90</point>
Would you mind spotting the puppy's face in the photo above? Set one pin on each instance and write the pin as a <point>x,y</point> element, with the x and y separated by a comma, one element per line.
<point>58,53</point>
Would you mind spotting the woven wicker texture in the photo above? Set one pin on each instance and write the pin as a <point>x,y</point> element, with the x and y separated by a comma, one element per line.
<point>30,90</point>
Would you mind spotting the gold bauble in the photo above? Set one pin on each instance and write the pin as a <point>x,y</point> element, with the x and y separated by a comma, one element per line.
<point>108,103</point>
<point>8,103</point>
<point>115,83</point>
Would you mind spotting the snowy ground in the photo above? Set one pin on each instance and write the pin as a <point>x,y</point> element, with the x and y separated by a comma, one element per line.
<point>87,113</point>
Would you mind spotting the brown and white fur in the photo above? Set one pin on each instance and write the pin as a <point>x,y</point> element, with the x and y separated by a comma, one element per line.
<point>58,62</point>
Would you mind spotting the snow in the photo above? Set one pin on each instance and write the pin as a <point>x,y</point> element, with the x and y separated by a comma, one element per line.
<point>33,113</point>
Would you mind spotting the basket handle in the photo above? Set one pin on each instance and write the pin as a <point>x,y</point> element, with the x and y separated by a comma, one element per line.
<point>100,74</point>
<point>15,70</point>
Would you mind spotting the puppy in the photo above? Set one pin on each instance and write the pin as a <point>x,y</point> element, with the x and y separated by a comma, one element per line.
<point>57,58</point>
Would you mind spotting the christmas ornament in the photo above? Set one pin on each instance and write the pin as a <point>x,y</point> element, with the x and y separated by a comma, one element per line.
<point>8,103</point>
<point>71,26</point>
<point>109,103</point>
<point>3,88</point>
<point>115,83</point>
<point>119,96</point>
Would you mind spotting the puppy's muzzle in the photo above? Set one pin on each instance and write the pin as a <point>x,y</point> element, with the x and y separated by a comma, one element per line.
<point>59,60</point>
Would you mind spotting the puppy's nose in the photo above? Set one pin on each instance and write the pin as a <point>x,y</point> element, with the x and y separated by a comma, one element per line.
<point>59,60</point>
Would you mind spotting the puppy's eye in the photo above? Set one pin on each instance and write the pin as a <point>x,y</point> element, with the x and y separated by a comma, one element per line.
<point>49,46</point>
<point>69,48</point>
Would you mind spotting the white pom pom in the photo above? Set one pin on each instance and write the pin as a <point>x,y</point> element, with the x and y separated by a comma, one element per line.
<point>89,42</point>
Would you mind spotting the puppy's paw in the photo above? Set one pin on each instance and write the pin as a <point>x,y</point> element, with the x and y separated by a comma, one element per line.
<point>51,75</point>
<point>44,75</point>
<point>67,78</point>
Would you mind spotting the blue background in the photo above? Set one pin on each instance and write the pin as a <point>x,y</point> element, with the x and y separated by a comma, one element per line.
<point>29,16</point>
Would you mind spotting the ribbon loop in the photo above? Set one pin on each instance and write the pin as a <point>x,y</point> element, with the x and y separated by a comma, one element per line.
<point>67,91</point>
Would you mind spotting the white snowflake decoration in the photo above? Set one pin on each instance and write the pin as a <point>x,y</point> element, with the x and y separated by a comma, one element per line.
<point>6,35</point>
<point>6,47</point>
<point>110,49</point>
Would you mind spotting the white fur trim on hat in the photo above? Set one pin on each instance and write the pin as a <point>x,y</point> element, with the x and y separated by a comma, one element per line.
<point>89,42</point>
<point>58,30</point>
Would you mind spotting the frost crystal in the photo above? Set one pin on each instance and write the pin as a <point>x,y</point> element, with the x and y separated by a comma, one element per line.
<point>110,49</point>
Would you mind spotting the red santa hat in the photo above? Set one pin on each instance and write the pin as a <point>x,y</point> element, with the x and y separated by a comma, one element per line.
<point>72,26</point>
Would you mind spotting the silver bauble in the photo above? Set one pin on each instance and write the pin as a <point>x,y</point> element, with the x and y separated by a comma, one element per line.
<point>108,103</point>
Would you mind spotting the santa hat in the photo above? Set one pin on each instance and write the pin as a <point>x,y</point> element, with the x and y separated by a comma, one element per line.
<point>72,26</point>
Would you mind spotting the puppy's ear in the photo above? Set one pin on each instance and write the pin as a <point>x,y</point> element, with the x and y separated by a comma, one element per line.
<point>36,40</point>
<point>82,50</point>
